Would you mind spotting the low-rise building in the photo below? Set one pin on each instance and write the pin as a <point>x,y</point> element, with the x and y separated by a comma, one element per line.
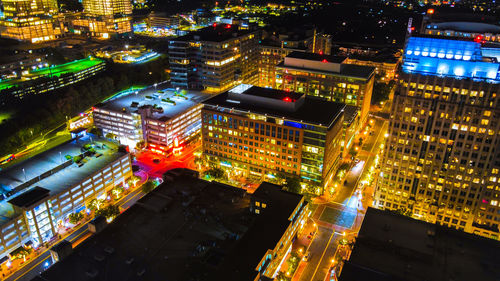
<point>262,132</point>
<point>49,78</point>
<point>164,118</point>
<point>221,233</point>
<point>329,77</point>
<point>41,192</point>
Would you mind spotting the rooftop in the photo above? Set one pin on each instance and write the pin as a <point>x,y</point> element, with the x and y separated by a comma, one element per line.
<point>394,247</point>
<point>187,240</point>
<point>171,101</point>
<point>56,181</point>
<point>313,110</point>
<point>317,57</point>
<point>477,27</point>
<point>274,219</point>
<point>30,197</point>
<point>53,71</point>
<point>215,33</point>
<point>326,64</point>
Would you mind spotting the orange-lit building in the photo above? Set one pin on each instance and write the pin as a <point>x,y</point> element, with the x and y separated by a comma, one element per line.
<point>104,18</point>
<point>215,58</point>
<point>329,77</point>
<point>30,20</point>
<point>261,132</point>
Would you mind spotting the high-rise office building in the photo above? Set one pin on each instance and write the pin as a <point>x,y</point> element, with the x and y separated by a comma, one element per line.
<point>261,132</point>
<point>30,20</point>
<point>328,77</point>
<point>442,161</point>
<point>215,58</point>
<point>104,18</point>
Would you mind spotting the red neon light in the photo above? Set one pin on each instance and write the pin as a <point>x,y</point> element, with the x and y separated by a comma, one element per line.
<point>287,99</point>
<point>478,39</point>
<point>320,52</point>
<point>324,60</point>
<point>214,24</point>
<point>228,26</point>
<point>430,11</point>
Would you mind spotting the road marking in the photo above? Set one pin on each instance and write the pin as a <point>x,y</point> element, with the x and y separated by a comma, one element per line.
<point>324,252</point>
<point>32,268</point>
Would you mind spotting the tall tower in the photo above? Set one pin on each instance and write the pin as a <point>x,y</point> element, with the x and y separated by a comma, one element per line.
<point>30,20</point>
<point>102,18</point>
<point>442,160</point>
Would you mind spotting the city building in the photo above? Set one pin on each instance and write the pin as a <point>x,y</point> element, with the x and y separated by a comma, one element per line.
<point>329,77</point>
<point>262,132</point>
<point>31,20</point>
<point>351,127</point>
<point>270,56</point>
<point>385,66</point>
<point>161,20</point>
<point>163,118</point>
<point>467,30</point>
<point>214,59</point>
<point>40,80</point>
<point>212,225</point>
<point>441,160</point>
<point>103,18</point>
<point>394,247</point>
<point>39,193</point>
<point>19,65</point>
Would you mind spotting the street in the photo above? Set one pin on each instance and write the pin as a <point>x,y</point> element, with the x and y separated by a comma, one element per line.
<point>341,217</point>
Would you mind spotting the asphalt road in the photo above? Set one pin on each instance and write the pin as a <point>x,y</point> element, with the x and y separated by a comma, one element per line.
<point>343,214</point>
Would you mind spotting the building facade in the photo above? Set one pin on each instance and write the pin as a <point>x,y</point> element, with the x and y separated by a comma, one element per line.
<point>441,160</point>
<point>270,56</point>
<point>262,132</point>
<point>164,121</point>
<point>104,18</point>
<point>37,208</point>
<point>328,77</point>
<point>53,77</point>
<point>214,59</point>
<point>31,20</point>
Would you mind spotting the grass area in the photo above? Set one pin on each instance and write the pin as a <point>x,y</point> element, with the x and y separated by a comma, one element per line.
<point>337,217</point>
<point>58,70</point>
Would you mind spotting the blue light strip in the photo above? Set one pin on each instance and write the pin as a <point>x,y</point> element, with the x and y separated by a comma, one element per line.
<point>444,57</point>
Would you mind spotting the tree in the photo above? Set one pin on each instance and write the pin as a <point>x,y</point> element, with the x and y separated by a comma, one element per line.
<point>110,136</point>
<point>95,204</point>
<point>381,91</point>
<point>108,212</point>
<point>292,184</point>
<point>148,186</point>
<point>74,218</point>
<point>140,145</point>
<point>216,173</point>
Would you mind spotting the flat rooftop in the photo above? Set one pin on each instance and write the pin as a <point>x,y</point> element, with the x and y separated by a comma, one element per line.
<point>316,57</point>
<point>186,240</point>
<point>264,234</point>
<point>313,110</point>
<point>326,64</point>
<point>215,33</point>
<point>395,247</point>
<point>63,179</point>
<point>54,71</point>
<point>162,96</point>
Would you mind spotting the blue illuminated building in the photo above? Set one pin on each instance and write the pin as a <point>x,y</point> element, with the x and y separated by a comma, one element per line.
<point>451,58</point>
